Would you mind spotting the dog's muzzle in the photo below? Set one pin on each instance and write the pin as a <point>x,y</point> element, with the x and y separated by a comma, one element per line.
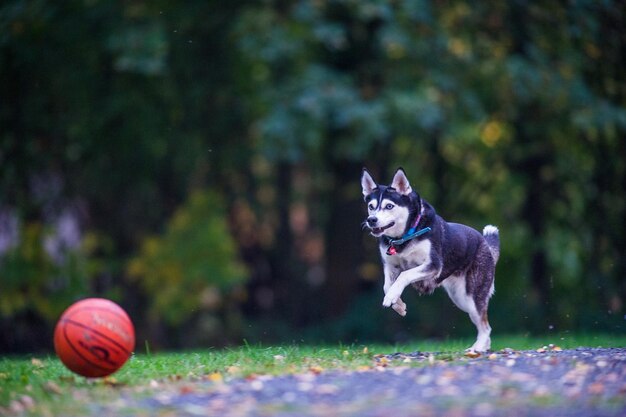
<point>372,222</point>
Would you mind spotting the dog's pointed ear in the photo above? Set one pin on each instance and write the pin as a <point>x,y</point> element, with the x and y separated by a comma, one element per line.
<point>367,183</point>
<point>401,183</point>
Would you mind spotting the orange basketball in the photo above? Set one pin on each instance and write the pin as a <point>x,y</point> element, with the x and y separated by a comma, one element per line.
<point>94,337</point>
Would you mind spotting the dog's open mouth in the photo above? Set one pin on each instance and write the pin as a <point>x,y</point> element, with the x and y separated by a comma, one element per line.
<point>377,231</point>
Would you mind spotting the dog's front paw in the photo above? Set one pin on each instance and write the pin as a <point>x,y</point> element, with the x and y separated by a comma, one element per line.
<point>400,307</point>
<point>391,297</point>
<point>387,302</point>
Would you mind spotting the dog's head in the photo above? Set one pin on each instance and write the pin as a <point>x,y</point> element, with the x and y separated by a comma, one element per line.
<point>390,207</point>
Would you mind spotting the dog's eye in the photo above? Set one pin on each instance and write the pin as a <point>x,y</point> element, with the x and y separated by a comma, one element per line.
<point>370,206</point>
<point>389,206</point>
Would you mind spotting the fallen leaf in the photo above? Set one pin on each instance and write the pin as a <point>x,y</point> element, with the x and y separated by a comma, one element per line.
<point>52,388</point>
<point>112,382</point>
<point>27,401</point>
<point>233,369</point>
<point>447,377</point>
<point>596,388</point>
<point>472,354</point>
<point>16,407</point>
<point>327,389</point>
<point>316,369</point>
<point>37,363</point>
<point>215,377</point>
<point>186,389</point>
<point>492,357</point>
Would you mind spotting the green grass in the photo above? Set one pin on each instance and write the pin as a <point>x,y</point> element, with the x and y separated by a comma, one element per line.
<point>53,390</point>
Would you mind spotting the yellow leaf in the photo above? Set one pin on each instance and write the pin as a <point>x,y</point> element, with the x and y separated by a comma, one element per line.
<point>491,133</point>
<point>215,377</point>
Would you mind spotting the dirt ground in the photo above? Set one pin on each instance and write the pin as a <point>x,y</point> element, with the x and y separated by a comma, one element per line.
<point>547,382</point>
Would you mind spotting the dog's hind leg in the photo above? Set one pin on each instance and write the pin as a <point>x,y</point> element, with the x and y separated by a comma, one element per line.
<point>483,341</point>
<point>482,281</point>
<point>456,287</point>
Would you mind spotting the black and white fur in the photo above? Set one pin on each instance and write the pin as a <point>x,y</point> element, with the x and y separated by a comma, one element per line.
<point>451,255</point>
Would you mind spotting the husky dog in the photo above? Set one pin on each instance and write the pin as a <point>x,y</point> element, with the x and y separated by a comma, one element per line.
<point>420,248</point>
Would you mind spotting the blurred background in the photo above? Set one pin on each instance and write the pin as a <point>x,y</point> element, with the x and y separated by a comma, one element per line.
<point>199,161</point>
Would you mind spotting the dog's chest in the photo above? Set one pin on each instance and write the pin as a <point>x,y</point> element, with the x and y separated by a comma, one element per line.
<point>414,255</point>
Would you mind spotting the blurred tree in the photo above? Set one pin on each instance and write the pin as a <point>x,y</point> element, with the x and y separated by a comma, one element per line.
<point>190,274</point>
<point>318,70</point>
<point>492,104</point>
<point>114,114</point>
<point>104,115</point>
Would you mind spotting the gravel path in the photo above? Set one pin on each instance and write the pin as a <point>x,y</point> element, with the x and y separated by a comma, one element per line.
<point>547,382</point>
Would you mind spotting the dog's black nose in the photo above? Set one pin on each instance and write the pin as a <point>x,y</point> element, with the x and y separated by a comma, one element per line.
<point>372,220</point>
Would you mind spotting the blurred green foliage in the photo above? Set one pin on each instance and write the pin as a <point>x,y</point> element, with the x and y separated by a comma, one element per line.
<point>185,136</point>
<point>496,112</point>
<point>193,266</point>
<point>33,280</point>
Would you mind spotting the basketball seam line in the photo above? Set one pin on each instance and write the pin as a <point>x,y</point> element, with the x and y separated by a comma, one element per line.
<point>99,334</point>
<point>69,342</point>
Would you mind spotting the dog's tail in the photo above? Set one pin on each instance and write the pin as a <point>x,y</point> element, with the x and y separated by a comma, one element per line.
<point>492,236</point>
